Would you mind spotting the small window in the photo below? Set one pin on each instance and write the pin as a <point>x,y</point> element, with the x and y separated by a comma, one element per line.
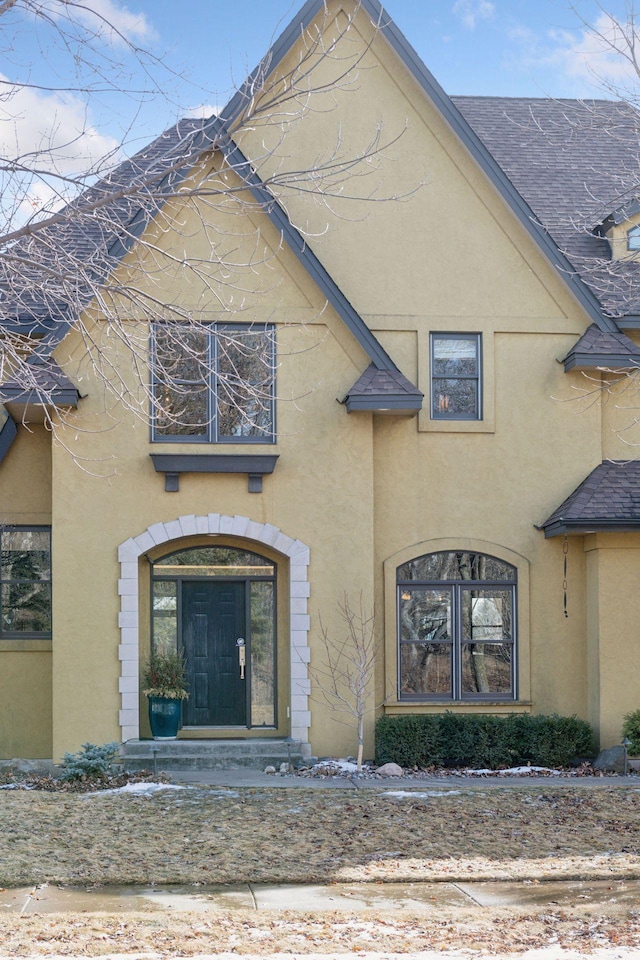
<point>456,376</point>
<point>213,383</point>
<point>25,582</point>
<point>456,627</point>
<point>633,238</point>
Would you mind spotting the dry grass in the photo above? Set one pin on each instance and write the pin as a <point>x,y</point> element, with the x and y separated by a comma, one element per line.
<point>184,935</point>
<point>200,835</point>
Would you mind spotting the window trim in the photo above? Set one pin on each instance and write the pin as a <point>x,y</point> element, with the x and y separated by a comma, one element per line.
<point>633,233</point>
<point>478,378</point>
<point>13,635</point>
<point>455,587</point>
<point>211,435</point>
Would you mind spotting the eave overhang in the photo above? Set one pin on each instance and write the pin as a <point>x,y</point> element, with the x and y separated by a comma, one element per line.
<point>602,361</point>
<point>8,433</point>
<point>399,406</point>
<point>606,501</point>
<point>581,528</point>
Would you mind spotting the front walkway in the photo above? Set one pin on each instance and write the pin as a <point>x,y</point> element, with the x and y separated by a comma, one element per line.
<point>374,898</point>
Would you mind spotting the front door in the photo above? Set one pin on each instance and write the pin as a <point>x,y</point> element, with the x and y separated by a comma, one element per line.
<point>213,619</point>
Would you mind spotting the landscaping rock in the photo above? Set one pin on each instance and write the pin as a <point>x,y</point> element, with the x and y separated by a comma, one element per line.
<point>390,770</point>
<point>284,768</point>
<point>269,769</point>
<point>610,760</point>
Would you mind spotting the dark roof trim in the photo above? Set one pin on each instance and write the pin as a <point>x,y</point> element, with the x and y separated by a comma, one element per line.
<point>595,361</point>
<point>583,527</point>
<point>296,242</point>
<point>8,433</point>
<point>630,322</point>
<point>276,53</point>
<point>173,464</point>
<point>384,403</point>
<point>63,397</point>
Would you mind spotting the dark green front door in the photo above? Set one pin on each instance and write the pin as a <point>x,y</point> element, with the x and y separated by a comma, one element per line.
<point>213,618</point>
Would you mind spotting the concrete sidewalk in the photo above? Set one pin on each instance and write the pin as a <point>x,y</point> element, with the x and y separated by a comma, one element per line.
<point>416,898</point>
<point>243,777</point>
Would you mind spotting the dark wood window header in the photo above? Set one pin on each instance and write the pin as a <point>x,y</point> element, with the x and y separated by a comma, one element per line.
<point>173,464</point>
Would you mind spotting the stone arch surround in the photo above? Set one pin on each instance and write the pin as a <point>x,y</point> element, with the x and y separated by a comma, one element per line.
<point>130,552</point>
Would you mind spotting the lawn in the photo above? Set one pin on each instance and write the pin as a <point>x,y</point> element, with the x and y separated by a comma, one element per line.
<point>205,836</point>
<point>201,835</point>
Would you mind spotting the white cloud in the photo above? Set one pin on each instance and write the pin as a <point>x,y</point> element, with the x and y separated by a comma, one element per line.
<point>597,52</point>
<point>51,139</point>
<point>109,20</point>
<point>203,110</point>
<point>470,11</point>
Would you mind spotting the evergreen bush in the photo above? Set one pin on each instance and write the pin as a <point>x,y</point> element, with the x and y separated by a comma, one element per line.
<point>631,729</point>
<point>481,740</point>
<point>91,762</point>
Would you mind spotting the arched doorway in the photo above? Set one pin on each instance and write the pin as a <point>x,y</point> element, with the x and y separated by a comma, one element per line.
<point>251,533</point>
<point>216,606</point>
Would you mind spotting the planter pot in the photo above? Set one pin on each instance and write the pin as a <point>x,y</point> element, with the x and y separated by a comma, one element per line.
<point>164,717</point>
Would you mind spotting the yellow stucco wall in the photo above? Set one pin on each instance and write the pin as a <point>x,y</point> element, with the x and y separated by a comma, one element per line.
<point>364,492</point>
<point>25,665</point>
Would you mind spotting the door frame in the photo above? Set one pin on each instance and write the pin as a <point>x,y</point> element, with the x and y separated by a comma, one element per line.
<point>247,631</point>
<point>132,554</point>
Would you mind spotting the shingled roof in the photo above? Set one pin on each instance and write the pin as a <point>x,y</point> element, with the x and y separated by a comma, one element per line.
<point>41,380</point>
<point>607,501</point>
<point>596,349</point>
<point>562,165</point>
<point>383,390</point>
<point>573,162</point>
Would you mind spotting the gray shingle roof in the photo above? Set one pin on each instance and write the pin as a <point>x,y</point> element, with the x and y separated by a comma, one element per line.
<point>607,500</point>
<point>387,389</point>
<point>597,348</point>
<point>41,380</point>
<point>574,162</point>
<point>90,235</point>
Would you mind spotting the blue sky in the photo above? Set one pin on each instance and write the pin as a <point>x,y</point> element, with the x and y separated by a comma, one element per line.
<point>204,48</point>
<point>493,47</point>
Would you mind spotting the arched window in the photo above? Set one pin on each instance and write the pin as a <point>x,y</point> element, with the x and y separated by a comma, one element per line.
<point>456,627</point>
<point>633,238</point>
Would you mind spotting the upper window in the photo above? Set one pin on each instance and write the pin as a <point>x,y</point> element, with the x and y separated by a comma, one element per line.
<point>456,627</point>
<point>25,582</point>
<point>456,376</point>
<point>213,383</point>
<point>633,238</point>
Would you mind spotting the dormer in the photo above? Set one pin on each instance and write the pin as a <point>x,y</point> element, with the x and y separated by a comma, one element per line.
<point>622,229</point>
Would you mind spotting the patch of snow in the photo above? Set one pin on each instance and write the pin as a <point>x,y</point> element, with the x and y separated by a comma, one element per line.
<point>137,789</point>
<point>420,794</point>
<point>343,766</point>
<point>15,786</point>
<point>513,772</point>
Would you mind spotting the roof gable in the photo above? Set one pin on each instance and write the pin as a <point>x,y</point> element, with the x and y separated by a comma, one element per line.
<point>103,241</point>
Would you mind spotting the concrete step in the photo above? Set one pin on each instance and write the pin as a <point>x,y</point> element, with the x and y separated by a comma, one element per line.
<point>210,754</point>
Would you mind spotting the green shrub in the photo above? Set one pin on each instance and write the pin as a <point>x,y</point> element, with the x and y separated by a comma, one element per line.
<point>91,762</point>
<point>481,740</point>
<point>631,729</point>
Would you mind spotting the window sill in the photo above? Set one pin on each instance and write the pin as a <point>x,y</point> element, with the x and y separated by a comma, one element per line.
<point>15,645</point>
<point>457,706</point>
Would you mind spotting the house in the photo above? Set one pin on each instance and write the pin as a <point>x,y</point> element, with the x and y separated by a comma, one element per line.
<point>393,351</point>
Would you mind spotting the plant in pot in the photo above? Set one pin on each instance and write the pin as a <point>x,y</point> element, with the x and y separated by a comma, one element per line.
<point>165,686</point>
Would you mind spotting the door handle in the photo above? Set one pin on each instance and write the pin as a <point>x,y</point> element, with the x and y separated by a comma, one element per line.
<point>242,655</point>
